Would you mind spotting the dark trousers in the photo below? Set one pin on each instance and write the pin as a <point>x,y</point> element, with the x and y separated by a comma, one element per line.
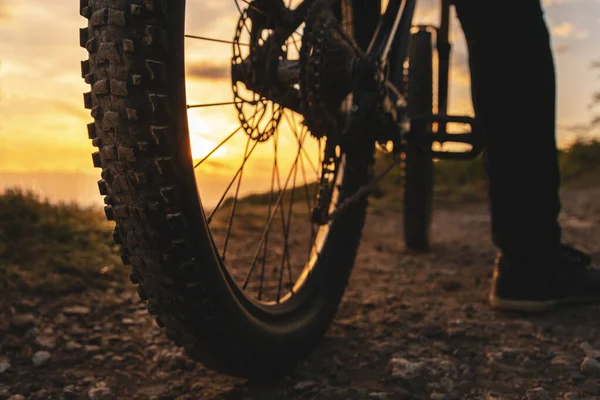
<point>514,97</point>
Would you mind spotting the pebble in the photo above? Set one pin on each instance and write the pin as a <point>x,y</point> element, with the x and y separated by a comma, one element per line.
<point>46,342</point>
<point>447,384</point>
<point>305,385</point>
<point>92,349</point>
<point>16,397</point>
<point>437,396</point>
<point>571,396</point>
<point>405,369</point>
<point>100,392</point>
<point>591,387</point>
<point>537,394</point>
<point>70,392</point>
<point>576,375</point>
<point>127,321</point>
<point>4,364</point>
<point>73,346</point>
<point>561,361</point>
<point>589,350</point>
<point>41,358</point>
<point>12,342</point>
<point>590,367</point>
<point>23,321</point>
<point>380,395</point>
<point>76,310</point>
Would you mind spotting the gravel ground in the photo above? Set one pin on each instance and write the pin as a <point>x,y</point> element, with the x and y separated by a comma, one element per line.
<point>412,326</point>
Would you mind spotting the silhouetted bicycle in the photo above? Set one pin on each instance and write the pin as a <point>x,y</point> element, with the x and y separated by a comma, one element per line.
<point>248,282</point>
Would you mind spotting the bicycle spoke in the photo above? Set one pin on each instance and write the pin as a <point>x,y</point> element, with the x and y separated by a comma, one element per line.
<point>232,134</point>
<point>272,217</point>
<point>212,214</point>
<point>255,9</point>
<point>295,41</point>
<point>293,120</point>
<point>266,245</point>
<point>208,39</point>
<point>309,214</point>
<point>242,16</point>
<point>235,200</point>
<point>286,236</point>
<point>284,229</point>
<point>308,159</point>
<point>227,103</point>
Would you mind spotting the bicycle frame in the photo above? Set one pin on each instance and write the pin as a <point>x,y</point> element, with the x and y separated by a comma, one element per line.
<point>395,28</point>
<point>392,37</point>
<point>393,34</point>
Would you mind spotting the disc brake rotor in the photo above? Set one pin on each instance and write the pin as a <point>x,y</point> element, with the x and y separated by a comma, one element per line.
<point>258,116</point>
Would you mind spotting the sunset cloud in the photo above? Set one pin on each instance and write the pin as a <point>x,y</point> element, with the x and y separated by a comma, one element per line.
<point>209,71</point>
<point>568,30</point>
<point>5,11</point>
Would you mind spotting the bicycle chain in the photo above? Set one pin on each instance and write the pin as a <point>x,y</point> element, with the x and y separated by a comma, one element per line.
<point>311,54</point>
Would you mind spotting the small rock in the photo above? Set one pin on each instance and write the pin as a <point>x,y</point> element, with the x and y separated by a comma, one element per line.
<point>589,350</point>
<point>305,385</point>
<point>571,396</point>
<point>16,397</point>
<point>405,369</point>
<point>41,358</point>
<point>380,395</point>
<point>127,321</point>
<point>591,387</point>
<point>61,319</point>
<point>590,367</point>
<point>576,376</point>
<point>73,346</point>
<point>4,391</point>
<point>91,349</point>
<point>4,364</point>
<point>22,322</point>
<point>100,392</point>
<point>561,360</point>
<point>76,310</point>
<point>437,396</point>
<point>12,342</point>
<point>537,394</point>
<point>45,342</point>
<point>447,384</point>
<point>70,392</point>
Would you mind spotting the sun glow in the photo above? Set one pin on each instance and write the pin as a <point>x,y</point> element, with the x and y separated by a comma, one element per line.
<point>201,146</point>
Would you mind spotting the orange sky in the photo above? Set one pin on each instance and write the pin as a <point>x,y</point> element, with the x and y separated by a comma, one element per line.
<point>42,119</point>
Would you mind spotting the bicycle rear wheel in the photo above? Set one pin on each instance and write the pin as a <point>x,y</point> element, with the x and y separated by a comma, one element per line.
<point>418,166</point>
<point>200,267</point>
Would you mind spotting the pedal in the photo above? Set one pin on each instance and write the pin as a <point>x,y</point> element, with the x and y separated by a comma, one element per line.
<point>425,140</point>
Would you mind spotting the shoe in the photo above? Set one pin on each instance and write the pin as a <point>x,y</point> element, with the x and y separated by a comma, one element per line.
<point>566,279</point>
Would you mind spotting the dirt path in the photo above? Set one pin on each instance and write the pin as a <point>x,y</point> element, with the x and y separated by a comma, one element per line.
<point>411,326</point>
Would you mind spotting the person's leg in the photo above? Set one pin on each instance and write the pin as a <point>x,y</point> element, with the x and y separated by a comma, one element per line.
<point>513,89</point>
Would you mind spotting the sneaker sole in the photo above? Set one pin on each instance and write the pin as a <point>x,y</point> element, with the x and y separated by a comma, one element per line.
<point>530,306</point>
<point>522,305</point>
